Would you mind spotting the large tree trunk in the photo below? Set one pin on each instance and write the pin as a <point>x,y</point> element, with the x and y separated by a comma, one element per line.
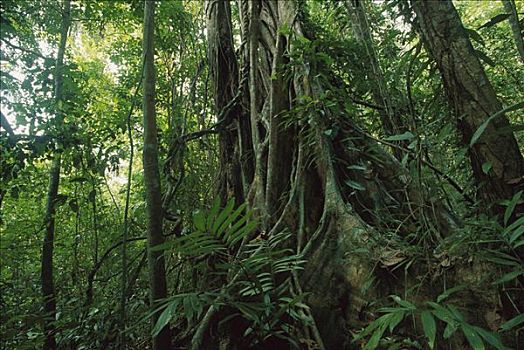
<point>48,289</point>
<point>293,188</point>
<point>304,140</point>
<point>157,273</point>
<point>474,100</point>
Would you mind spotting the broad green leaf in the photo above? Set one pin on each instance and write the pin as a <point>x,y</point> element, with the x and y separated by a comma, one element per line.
<point>518,244</point>
<point>448,292</point>
<point>491,338</point>
<point>165,317</point>
<point>509,277</point>
<point>391,310</point>
<point>285,30</point>
<point>230,219</point>
<point>403,303</point>
<point>441,312</point>
<point>516,234</point>
<point>511,206</point>
<point>405,159</point>
<point>189,312</point>
<point>430,327</point>
<point>26,85</point>
<point>500,258</point>
<point>375,338</point>
<point>370,328</point>
<point>486,167</point>
<point>483,126</point>
<point>356,167</point>
<point>519,222</point>
<point>248,310</point>
<point>196,305</point>
<point>456,313</point>
<point>234,237</point>
<point>199,220</point>
<point>222,216</point>
<point>355,185</point>
<point>480,131</point>
<point>472,336</point>
<point>502,261</point>
<point>21,120</point>
<point>450,329</point>
<point>163,246</point>
<point>514,322</point>
<point>395,319</point>
<point>212,213</point>
<point>236,226</point>
<point>401,137</point>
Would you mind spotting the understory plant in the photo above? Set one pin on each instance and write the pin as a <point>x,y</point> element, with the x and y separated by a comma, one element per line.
<point>439,321</point>
<point>253,275</point>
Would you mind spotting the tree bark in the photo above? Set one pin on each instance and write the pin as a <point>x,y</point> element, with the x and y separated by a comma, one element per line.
<point>47,279</point>
<point>224,71</point>
<point>259,180</point>
<point>511,9</point>
<point>306,174</point>
<point>473,100</point>
<point>281,137</point>
<point>157,273</point>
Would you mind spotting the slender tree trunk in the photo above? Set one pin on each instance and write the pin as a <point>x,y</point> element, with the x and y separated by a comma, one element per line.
<point>48,289</point>
<point>95,224</point>
<point>511,9</point>
<point>157,273</point>
<point>390,122</point>
<point>253,37</point>
<point>474,100</point>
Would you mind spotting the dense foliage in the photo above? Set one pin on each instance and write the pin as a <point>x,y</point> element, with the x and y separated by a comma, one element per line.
<point>358,157</point>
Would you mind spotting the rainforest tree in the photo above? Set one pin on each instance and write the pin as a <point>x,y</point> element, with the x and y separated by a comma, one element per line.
<point>314,174</point>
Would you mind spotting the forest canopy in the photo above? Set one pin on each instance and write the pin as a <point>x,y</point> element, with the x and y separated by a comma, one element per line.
<point>261,174</point>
